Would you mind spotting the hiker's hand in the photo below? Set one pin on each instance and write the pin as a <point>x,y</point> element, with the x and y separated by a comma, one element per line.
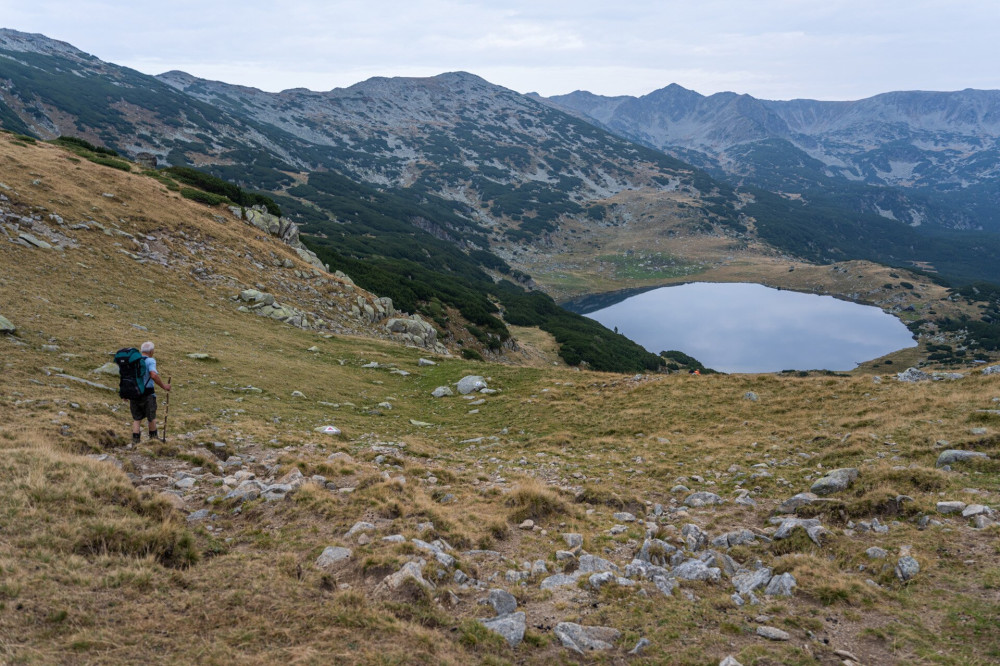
<point>166,387</point>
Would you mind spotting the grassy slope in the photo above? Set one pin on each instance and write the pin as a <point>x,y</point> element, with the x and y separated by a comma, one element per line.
<point>92,564</point>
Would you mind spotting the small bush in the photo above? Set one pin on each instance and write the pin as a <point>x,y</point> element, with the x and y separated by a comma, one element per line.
<point>471,355</point>
<point>533,500</point>
<point>203,197</point>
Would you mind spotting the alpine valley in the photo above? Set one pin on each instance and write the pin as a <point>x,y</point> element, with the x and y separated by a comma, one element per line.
<point>386,442</point>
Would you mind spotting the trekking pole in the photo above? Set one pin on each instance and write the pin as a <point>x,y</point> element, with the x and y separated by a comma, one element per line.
<point>166,412</point>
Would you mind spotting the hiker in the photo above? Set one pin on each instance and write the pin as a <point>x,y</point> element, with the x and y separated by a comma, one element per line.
<point>144,407</point>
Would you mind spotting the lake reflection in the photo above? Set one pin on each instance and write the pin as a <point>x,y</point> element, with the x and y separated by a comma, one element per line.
<point>752,328</point>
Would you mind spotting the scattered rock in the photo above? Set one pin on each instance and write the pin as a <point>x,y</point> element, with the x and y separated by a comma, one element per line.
<point>411,571</point>
<point>730,661</point>
<point>106,369</point>
<point>702,498</point>
<point>812,527</point>
<point>442,391</point>
<point>583,639</point>
<point>328,430</point>
<point>773,633</point>
<point>7,327</point>
<point>835,481</point>
<point>332,555</point>
<point>510,626</point>
<point>423,362</point>
<point>503,602</point>
<point>876,553</point>
<point>907,567</point>
<point>749,581</point>
<point>950,507</point>
<point>955,455</point>
<point>751,396</point>
<point>640,646</point>
<point>796,501</point>
<point>781,586</point>
<point>470,383</point>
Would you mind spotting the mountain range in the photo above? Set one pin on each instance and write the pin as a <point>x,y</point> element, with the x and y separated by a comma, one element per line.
<point>467,189</point>
<point>934,157</point>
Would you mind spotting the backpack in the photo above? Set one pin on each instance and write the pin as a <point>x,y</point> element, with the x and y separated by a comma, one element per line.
<point>132,373</point>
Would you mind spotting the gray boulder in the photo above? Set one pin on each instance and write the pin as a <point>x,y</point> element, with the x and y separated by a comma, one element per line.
<point>559,580</point>
<point>471,383</point>
<point>781,586</point>
<point>332,555</point>
<point>992,370</point>
<point>7,327</point>
<point>510,626</point>
<point>793,503</point>
<point>502,601</point>
<point>751,580</point>
<point>583,639</point>
<point>950,507</point>
<point>907,567</point>
<point>954,455</point>
<point>442,391</point>
<point>773,634</point>
<point>835,481</point>
<point>696,570</point>
<point>702,498</point>
<point>913,375</point>
<point>411,571</point>
<point>812,527</point>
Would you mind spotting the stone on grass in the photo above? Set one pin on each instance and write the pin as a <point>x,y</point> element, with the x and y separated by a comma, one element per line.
<point>702,498</point>
<point>624,516</point>
<point>730,660</point>
<point>751,580</point>
<point>835,481</point>
<point>423,362</point>
<point>955,455</point>
<point>471,383</point>
<point>559,580</point>
<point>442,391</point>
<point>976,510</point>
<point>907,567</point>
<point>7,327</point>
<point>572,539</point>
<point>796,501</point>
<point>950,507</point>
<point>328,430</point>
<point>696,570</point>
<point>593,564</point>
<point>502,601</point>
<point>510,626</point>
<point>773,634</point>
<point>810,525</point>
<point>583,639</point>
<point>781,586</point>
<point>332,555</point>
<point>106,369</point>
<point>876,553</point>
<point>640,646</point>
<point>411,571</point>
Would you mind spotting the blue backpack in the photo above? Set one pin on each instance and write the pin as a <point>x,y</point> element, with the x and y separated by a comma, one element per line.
<point>132,373</point>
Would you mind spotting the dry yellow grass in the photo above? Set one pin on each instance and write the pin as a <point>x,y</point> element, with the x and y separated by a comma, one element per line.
<point>94,568</point>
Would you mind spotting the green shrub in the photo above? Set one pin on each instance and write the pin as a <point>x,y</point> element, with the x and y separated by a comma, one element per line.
<point>203,197</point>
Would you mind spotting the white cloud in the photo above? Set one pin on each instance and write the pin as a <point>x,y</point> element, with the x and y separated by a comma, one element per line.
<point>838,49</point>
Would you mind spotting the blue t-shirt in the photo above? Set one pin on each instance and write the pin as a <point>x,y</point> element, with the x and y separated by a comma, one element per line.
<point>150,368</point>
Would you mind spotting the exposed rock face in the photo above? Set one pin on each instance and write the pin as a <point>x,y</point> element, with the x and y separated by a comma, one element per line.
<point>283,228</point>
<point>415,330</point>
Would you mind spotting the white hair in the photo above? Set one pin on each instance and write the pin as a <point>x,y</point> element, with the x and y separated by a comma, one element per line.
<point>146,347</point>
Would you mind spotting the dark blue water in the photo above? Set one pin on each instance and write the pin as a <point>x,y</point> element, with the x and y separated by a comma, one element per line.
<point>752,328</point>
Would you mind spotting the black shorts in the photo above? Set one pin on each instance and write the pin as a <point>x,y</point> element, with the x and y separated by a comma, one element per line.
<point>143,407</point>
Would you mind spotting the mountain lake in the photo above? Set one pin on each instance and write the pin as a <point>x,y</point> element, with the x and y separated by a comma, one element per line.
<point>752,328</point>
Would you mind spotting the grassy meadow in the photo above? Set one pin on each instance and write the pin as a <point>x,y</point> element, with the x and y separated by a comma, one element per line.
<point>99,562</point>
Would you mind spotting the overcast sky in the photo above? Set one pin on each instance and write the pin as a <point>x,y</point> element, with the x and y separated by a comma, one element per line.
<point>774,49</point>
